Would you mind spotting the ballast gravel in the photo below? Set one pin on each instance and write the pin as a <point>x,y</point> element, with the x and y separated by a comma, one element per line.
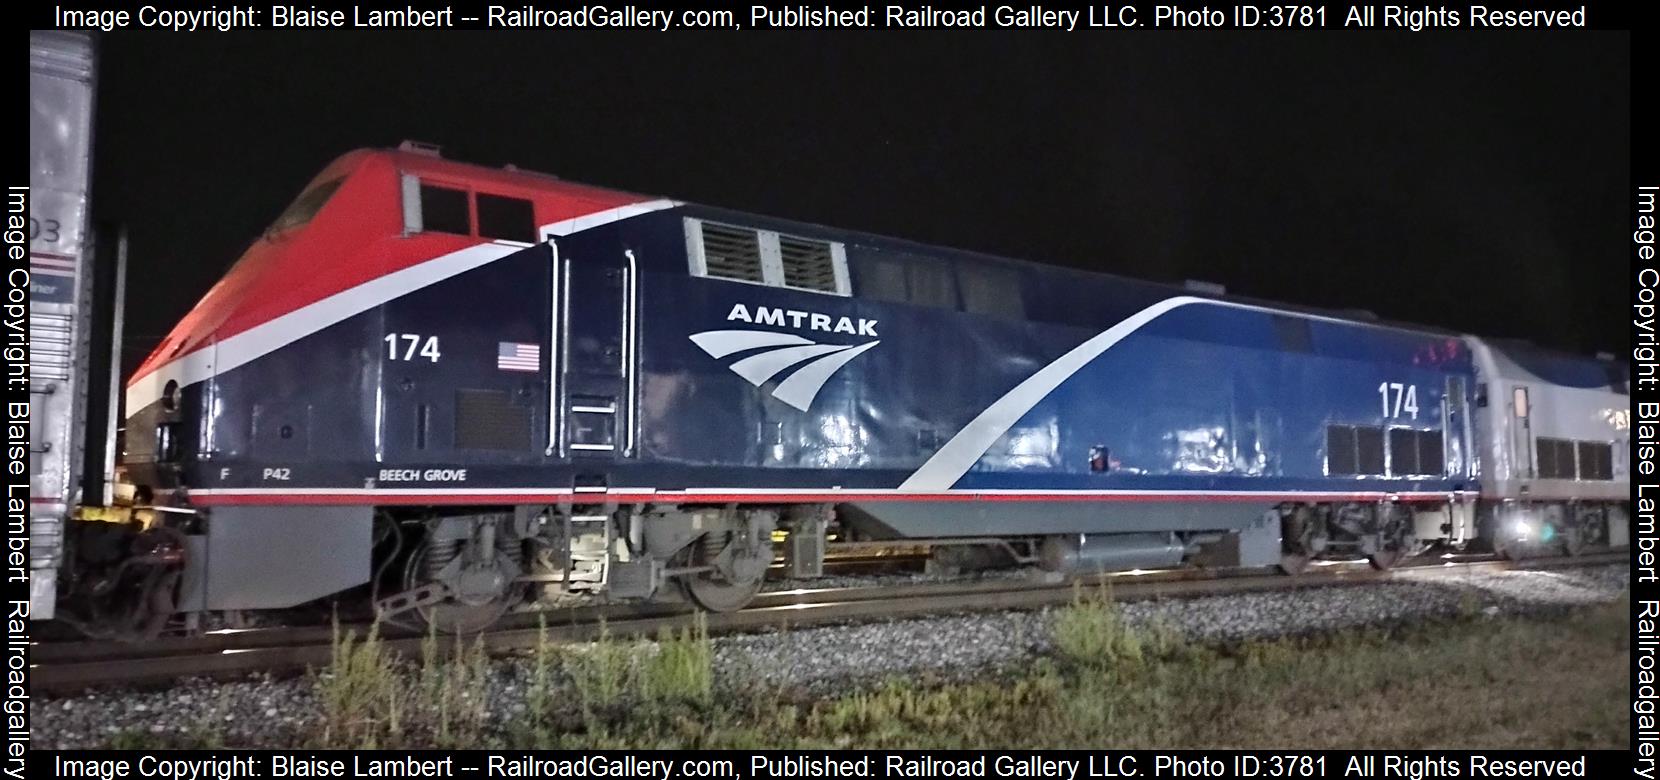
<point>262,711</point>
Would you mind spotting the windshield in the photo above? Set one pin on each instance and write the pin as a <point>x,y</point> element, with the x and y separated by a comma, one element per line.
<point>306,206</point>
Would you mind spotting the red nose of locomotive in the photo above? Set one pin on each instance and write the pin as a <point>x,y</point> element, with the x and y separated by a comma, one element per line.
<point>344,247</point>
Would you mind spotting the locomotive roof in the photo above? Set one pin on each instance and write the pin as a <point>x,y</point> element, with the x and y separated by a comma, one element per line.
<point>518,178</point>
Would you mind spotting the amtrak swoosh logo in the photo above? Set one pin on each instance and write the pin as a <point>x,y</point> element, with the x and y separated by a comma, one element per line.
<point>775,353</point>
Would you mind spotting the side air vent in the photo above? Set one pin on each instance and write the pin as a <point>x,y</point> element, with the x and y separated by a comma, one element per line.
<point>766,257</point>
<point>732,253</point>
<point>808,265</point>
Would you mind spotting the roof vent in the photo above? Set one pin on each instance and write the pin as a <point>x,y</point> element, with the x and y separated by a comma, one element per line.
<point>421,147</point>
<point>1209,288</point>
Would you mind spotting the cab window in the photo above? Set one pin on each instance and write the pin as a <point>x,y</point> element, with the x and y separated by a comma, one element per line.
<point>306,206</point>
<point>444,210</point>
<point>437,208</point>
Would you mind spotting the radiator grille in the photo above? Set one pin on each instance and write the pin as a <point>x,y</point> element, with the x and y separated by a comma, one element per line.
<point>732,253</point>
<point>807,264</point>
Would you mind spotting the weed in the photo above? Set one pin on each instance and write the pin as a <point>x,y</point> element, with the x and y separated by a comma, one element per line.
<point>361,693</point>
<point>683,667</point>
<point>1090,632</point>
<point>600,672</point>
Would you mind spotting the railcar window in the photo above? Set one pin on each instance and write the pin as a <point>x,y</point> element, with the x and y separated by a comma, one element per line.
<point>808,265</point>
<point>1556,458</point>
<point>444,210</point>
<point>992,291</point>
<point>509,218</point>
<point>1545,457</point>
<point>306,206</point>
<point>1596,460</point>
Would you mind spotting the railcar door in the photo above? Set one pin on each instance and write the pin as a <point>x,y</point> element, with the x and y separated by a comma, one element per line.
<point>1521,433</point>
<point>597,299</point>
<point>1456,427</point>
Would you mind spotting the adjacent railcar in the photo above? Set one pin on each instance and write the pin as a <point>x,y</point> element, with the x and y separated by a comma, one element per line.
<point>1556,438</point>
<point>62,83</point>
<point>509,384</point>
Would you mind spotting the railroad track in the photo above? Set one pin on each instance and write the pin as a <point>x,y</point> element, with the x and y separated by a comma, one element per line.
<point>71,666</point>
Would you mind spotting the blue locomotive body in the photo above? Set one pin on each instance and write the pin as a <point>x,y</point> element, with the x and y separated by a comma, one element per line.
<point>1068,385</point>
<point>495,350</point>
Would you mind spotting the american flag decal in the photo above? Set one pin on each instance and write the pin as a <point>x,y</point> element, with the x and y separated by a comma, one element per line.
<point>512,356</point>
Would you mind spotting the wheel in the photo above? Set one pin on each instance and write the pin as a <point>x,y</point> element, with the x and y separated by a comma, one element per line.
<point>1571,541</point>
<point>480,595</point>
<point>740,566</point>
<point>1394,536</point>
<point>1384,560</point>
<point>1293,564</point>
<point>1299,532</point>
<point>135,601</point>
<point>1510,549</point>
<point>717,596</point>
<point>1583,530</point>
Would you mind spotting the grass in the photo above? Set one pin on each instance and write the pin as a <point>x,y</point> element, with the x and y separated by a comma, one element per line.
<point>1538,682</point>
<point>363,694</point>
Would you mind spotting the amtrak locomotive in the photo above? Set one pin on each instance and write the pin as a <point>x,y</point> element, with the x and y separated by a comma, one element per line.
<point>468,388</point>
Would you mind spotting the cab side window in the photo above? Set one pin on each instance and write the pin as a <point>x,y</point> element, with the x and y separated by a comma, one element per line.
<point>504,217</point>
<point>444,210</point>
<point>430,207</point>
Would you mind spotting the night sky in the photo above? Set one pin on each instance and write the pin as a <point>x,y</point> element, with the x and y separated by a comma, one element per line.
<point>1477,182</point>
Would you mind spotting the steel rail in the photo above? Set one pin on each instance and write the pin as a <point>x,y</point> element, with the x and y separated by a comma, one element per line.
<point>74,666</point>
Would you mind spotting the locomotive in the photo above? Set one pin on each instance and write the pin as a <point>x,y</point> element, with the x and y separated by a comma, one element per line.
<point>465,388</point>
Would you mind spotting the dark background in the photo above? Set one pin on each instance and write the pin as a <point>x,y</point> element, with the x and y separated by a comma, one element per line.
<point>1473,181</point>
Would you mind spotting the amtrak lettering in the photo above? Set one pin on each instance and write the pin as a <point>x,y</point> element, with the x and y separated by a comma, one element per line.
<point>813,320</point>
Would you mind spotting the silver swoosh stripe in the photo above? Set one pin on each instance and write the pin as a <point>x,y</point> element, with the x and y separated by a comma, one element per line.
<point>217,357</point>
<point>759,368</point>
<point>802,387</point>
<point>720,343</point>
<point>970,444</point>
